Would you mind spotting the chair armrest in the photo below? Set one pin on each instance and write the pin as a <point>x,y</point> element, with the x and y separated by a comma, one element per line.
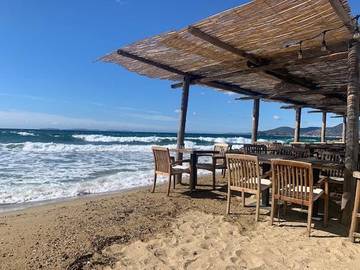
<point>267,174</point>
<point>323,181</point>
<point>179,162</point>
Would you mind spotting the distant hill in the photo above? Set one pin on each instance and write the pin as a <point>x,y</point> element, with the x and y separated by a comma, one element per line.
<point>335,131</point>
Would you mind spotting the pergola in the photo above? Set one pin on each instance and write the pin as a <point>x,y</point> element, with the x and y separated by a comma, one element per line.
<point>300,52</point>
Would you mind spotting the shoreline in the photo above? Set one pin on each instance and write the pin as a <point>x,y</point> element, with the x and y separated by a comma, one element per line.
<point>12,208</point>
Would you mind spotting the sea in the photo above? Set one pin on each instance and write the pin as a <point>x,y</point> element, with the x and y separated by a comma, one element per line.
<point>43,165</point>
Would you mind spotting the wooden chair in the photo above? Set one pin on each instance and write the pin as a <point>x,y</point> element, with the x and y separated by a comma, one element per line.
<point>255,149</point>
<point>293,182</point>
<point>166,165</point>
<point>335,176</point>
<point>355,214</point>
<point>244,176</point>
<point>218,161</point>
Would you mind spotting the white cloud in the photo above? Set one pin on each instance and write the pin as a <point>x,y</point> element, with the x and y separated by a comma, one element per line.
<point>194,113</point>
<point>276,117</point>
<point>177,111</point>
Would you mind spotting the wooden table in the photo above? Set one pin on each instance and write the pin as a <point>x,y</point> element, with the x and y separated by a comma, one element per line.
<point>194,154</point>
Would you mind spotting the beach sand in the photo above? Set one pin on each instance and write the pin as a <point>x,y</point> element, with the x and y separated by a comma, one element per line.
<point>141,230</point>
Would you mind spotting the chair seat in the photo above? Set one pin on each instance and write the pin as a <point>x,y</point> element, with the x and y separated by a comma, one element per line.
<point>179,169</point>
<point>209,166</point>
<point>265,184</point>
<point>317,192</point>
<point>335,179</point>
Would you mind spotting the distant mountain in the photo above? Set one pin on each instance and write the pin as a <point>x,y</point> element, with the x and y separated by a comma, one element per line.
<point>335,131</point>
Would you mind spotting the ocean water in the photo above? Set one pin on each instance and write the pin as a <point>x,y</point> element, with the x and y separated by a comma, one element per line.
<point>38,165</point>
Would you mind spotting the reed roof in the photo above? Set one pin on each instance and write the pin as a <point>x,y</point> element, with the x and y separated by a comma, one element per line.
<point>253,50</point>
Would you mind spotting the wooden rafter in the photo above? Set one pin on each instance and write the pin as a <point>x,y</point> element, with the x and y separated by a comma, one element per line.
<point>255,61</point>
<point>343,15</point>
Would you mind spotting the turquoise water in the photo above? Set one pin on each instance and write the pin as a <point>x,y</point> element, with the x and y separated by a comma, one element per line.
<point>37,165</point>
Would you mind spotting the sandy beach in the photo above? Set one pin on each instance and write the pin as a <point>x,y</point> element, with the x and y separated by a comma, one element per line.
<point>141,230</point>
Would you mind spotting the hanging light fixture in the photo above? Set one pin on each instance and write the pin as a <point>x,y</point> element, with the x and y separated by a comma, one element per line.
<point>300,52</point>
<point>356,35</point>
<point>324,47</point>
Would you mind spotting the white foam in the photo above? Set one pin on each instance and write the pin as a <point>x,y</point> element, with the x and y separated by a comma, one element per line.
<point>107,139</point>
<point>23,133</point>
<point>230,140</point>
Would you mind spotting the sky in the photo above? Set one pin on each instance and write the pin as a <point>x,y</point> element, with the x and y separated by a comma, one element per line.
<point>49,77</point>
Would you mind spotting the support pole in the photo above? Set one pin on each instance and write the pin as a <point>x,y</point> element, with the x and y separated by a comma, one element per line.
<point>297,124</point>
<point>255,119</point>
<point>352,133</point>
<point>344,130</point>
<point>182,124</point>
<point>323,128</point>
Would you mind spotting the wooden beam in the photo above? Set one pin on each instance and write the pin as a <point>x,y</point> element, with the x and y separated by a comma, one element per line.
<point>288,107</point>
<point>183,114</point>
<point>220,44</point>
<point>343,137</point>
<point>152,63</point>
<point>343,15</point>
<point>247,98</point>
<point>316,111</point>
<point>255,120</point>
<point>297,124</point>
<point>352,133</point>
<point>283,75</point>
<point>323,128</point>
<point>310,60</point>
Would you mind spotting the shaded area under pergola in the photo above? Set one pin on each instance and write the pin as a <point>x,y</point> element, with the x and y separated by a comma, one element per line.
<point>303,53</point>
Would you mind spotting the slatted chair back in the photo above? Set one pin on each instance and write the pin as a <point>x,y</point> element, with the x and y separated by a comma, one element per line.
<point>284,150</point>
<point>244,171</point>
<point>300,153</point>
<point>255,149</point>
<point>292,181</point>
<point>332,157</point>
<point>222,148</point>
<point>162,159</point>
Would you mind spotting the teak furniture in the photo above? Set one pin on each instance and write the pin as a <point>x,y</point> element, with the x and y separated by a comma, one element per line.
<point>166,165</point>
<point>218,161</point>
<point>293,182</point>
<point>355,214</point>
<point>244,176</point>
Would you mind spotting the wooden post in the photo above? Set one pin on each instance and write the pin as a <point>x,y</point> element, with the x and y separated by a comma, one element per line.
<point>255,119</point>
<point>352,133</point>
<point>344,130</point>
<point>323,128</point>
<point>297,124</point>
<point>182,124</point>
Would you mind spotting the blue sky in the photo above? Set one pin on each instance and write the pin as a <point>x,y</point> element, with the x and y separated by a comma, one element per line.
<point>48,77</point>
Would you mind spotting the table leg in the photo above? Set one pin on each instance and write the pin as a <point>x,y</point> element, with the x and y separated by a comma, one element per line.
<point>316,177</point>
<point>265,198</point>
<point>193,174</point>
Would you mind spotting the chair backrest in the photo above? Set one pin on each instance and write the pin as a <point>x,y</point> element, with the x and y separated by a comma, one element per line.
<point>300,153</point>
<point>292,180</point>
<point>243,171</point>
<point>333,157</point>
<point>255,149</point>
<point>162,159</point>
<point>222,148</point>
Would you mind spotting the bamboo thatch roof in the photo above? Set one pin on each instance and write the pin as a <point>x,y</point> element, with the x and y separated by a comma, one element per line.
<point>253,50</point>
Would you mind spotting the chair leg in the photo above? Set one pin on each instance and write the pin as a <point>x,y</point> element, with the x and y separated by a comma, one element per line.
<point>223,173</point>
<point>169,186</point>
<point>214,178</point>
<point>273,208</point>
<point>310,212</point>
<point>174,183</point>
<point>153,189</point>
<point>354,220</point>
<point>257,207</point>
<point>243,199</point>
<point>228,201</point>
<point>326,207</point>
